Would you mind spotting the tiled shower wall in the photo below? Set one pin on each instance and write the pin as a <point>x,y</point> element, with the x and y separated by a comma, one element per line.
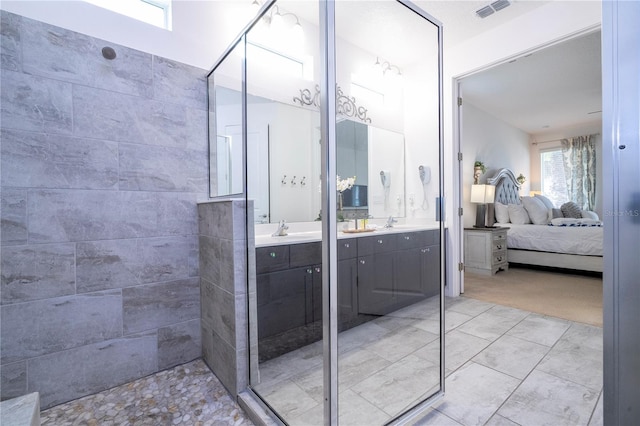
<point>102,164</point>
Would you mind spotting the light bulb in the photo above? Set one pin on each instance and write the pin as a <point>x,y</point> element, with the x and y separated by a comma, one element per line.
<point>298,34</point>
<point>276,21</point>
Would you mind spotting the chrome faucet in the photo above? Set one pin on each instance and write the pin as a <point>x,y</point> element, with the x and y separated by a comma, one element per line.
<point>282,229</point>
<point>390,222</point>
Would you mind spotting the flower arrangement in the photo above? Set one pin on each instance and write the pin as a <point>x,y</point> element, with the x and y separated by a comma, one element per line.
<point>344,184</point>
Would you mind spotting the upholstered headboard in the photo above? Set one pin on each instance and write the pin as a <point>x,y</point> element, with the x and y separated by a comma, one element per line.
<point>507,187</point>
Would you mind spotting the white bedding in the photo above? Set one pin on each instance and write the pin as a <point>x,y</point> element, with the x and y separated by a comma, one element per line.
<point>556,239</point>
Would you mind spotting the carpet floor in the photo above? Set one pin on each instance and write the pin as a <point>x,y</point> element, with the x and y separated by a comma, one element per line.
<point>557,294</point>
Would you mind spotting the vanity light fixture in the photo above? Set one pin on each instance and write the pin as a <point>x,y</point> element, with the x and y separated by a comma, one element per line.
<point>275,18</point>
<point>387,66</point>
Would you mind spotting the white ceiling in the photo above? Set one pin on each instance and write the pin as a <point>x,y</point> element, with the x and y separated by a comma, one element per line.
<point>558,87</point>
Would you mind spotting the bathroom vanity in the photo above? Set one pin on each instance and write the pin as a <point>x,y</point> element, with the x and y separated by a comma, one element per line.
<point>378,273</point>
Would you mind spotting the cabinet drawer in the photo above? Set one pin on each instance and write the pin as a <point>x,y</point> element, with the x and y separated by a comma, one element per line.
<point>377,244</point>
<point>498,245</point>
<point>305,254</point>
<point>411,240</point>
<point>274,258</point>
<point>500,236</point>
<point>499,257</point>
<point>347,248</point>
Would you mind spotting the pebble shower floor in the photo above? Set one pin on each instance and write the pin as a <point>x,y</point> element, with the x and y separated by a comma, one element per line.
<point>188,394</point>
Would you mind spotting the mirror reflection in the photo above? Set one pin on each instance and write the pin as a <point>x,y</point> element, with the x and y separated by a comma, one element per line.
<point>289,137</point>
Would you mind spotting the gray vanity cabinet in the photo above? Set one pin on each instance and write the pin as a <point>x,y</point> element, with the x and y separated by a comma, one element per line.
<point>281,301</point>
<point>402,269</point>
<point>376,274</point>
<point>417,267</point>
<point>347,283</point>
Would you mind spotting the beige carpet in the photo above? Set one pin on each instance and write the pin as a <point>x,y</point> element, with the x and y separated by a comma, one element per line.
<point>568,296</point>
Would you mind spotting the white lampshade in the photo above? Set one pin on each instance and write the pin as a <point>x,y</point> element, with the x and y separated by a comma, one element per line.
<point>483,194</point>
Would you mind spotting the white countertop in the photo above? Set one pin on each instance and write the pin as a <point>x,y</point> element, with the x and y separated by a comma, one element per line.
<point>302,232</point>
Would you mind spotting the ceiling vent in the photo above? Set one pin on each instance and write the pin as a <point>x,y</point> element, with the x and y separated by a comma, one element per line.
<point>493,7</point>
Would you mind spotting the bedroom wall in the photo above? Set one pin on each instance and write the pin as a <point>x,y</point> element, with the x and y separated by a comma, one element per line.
<point>497,144</point>
<point>102,165</point>
<point>554,138</point>
<point>545,25</point>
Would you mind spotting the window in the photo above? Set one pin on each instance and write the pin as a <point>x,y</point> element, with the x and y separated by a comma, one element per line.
<point>154,12</point>
<point>553,180</point>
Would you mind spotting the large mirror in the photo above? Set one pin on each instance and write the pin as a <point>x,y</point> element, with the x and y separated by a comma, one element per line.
<point>289,137</point>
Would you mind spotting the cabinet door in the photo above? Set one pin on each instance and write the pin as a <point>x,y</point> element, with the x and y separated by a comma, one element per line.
<point>375,284</point>
<point>281,301</point>
<point>347,293</point>
<point>431,270</point>
<point>409,277</point>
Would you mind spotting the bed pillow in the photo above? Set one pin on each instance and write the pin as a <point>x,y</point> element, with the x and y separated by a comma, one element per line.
<point>547,202</point>
<point>518,214</point>
<point>571,209</point>
<point>556,213</point>
<point>588,214</point>
<point>538,213</point>
<point>502,212</point>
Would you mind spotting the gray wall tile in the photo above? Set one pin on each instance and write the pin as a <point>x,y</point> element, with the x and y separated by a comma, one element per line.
<point>214,219</point>
<point>39,160</point>
<point>80,215</point>
<point>111,264</point>
<point>194,254</point>
<point>71,374</point>
<point>34,103</point>
<point>219,311</point>
<point>13,382</point>
<point>152,306</point>
<point>210,259</point>
<point>13,216</point>
<point>66,55</point>
<point>179,343</point>
<point>177,82</point>
<point>10,46</point>
<point>221,359</point>
<point>123,118</point>
<point>37,272</point>
<point>162,169</point>
<point>36,328</point>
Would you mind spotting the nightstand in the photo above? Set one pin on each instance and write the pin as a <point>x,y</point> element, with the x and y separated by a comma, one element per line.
<point>485,250</point>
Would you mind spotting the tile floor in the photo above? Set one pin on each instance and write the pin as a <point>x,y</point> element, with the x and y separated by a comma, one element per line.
<point>504,367</point>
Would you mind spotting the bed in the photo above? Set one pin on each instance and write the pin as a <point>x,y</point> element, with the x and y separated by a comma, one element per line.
<point>567,247</point>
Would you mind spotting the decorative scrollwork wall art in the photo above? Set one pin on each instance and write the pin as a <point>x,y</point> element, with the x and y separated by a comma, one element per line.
<point>347,107</point>
<point>306,98</point>
<point>346,104</point>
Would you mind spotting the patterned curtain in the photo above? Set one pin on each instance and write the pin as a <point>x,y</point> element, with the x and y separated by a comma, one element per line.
<point>579,155</point>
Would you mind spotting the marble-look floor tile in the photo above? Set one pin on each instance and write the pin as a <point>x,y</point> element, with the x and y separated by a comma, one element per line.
<point>512,356</point>
<point>353,410</point>
<point>459,348</point>
<point>290,364</point>
<point>540,329</point>
<point>474,393</point>
<point>452,320</point>
<point>488,326</point>
<point>434,418</point>
<point>507,312</point>
<point>361,335</point>
<point>395,388</point>
<point>597,418</point>
<point>543,399</point>
<point>465,305</point>
<point>498,420</point>
<point>579,364</point>
<point>400,343</point>
<point>421,310</point>
<point>353,367</point>
<point>287,399</point>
